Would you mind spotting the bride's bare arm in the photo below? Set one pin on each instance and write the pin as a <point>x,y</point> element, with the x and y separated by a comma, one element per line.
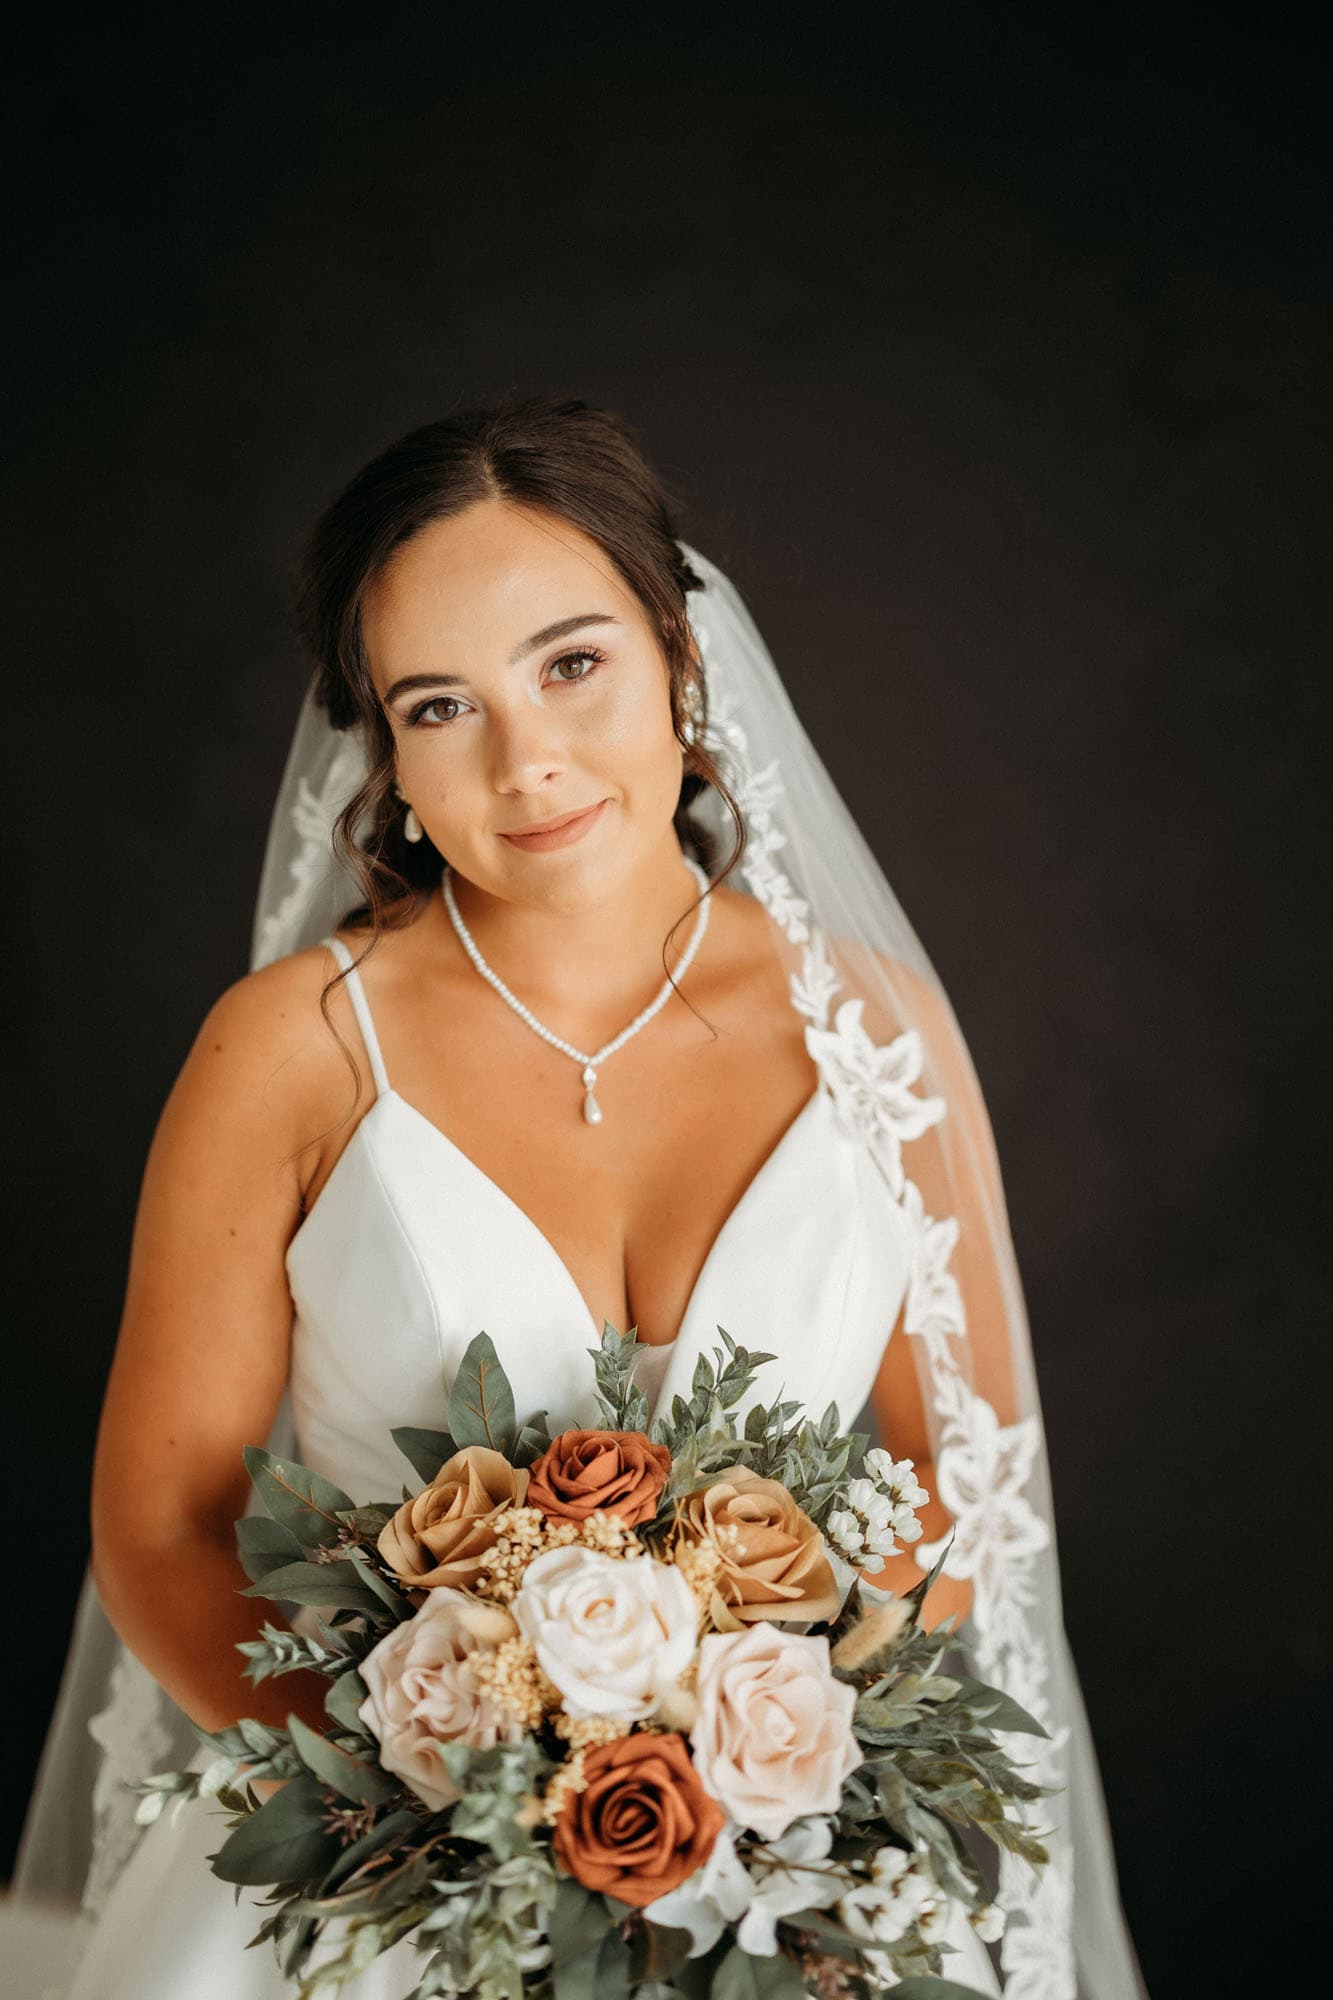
<point>202,1353</point>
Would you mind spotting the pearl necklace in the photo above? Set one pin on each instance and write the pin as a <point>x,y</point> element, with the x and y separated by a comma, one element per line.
<point>592,1110</point>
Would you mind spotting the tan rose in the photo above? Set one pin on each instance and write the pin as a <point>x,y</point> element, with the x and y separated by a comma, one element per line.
<point>776,1565</point>
<point>643,1822</point>
<point>581,1471</point>
<point>436,1539</point>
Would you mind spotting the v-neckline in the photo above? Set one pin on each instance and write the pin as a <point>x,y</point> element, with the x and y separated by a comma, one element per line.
<point>544,1243</point>
<point>538,1236</point>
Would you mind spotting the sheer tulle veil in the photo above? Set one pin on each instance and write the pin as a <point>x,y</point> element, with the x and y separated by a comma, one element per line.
<point>880,1029</point>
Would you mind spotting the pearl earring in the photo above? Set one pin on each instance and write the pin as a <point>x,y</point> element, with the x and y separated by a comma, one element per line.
<point>411,824</point>
<point>692,722</point>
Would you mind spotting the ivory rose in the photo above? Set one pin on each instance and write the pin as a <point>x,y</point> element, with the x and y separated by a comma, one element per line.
<point>436,1539</point>
<point>642,1823</point>
<point>420,1693</point>
<point>777,1566</point>
<point>773,1737</point>
<point>580,1471</point>
<point>613,1633</point>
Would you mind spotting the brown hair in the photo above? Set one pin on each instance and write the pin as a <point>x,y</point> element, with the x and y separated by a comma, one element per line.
<point>556,454</point>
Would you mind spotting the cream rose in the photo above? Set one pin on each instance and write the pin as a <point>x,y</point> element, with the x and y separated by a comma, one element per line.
<point>421,1693</point>
<point>773,1737</point>
<point>613,1634</point>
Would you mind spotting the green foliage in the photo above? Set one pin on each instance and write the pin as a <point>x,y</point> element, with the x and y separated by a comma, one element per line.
<point>623,1406</point>
<point>741,1977</point>
<point>279,1650</point>
<point>349,1776</point>
<point>481,1402</point>
<point>339,1585</point>
<point>302,1500</point>
<point>427,1450</point>
<point>264,1544</point>
<point>283,1841</point>
<point>494,1784</point>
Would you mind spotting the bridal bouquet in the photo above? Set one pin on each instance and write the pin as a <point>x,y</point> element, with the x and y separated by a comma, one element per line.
<point>610,1713</point>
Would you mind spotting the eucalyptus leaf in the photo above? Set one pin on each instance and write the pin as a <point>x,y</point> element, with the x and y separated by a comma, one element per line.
<point>349,1776</point>
<point>576,1923</point>
<point>284,1841</point>
<point>264,1544</point>
<point>344,1697</point>
<point>998,1710</point>
<point>299,1498</point>
<point>370,1520</point>
<point>576,1978</point>
<point>611,1968</point>
<point>337,1584</point>
<point>741,1977</point>
<point>426,1450</point>
<point>533,1439</point>
<point>481,1402</point>
<point>390,1597</point>
<point>393,1827</point>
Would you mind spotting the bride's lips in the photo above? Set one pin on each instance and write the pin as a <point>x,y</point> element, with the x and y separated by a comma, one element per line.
<point>563,835</point>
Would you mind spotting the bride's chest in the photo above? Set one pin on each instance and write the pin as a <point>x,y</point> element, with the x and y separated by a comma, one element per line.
<point>632,1206</point>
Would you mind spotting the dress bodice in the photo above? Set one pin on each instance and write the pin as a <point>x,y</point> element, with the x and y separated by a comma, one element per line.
<point>410,1250</point>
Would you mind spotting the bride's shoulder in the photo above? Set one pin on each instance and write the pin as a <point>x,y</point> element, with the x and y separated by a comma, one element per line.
<point>267,1034</point>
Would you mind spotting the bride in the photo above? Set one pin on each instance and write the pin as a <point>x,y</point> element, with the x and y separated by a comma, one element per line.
<point>576,997</point>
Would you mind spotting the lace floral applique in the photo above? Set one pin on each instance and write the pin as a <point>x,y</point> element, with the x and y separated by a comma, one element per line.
<point>981,1469</point>
<point>871,1085</point>
<point>934,1310</point>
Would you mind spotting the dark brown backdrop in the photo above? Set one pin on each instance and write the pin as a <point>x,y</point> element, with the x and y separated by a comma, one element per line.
<point>984,357</point>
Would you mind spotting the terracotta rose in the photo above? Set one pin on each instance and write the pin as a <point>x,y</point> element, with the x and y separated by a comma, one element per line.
<point>436,1538</point>
<point>777,1567</point>
<point>643,1823</point>
<point>581,1471</point>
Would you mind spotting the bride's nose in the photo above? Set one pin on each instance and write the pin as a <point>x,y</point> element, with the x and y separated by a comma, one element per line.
<point>526,747</point>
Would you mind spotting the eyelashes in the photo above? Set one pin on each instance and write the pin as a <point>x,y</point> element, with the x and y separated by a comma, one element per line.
<point>595,654</point>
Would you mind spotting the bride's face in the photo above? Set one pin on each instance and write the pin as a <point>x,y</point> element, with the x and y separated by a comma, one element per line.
<point>501,720</point>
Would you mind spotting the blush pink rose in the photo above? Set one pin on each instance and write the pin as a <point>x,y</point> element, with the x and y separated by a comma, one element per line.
<point>420,1693</point>
<point>773,1737</point>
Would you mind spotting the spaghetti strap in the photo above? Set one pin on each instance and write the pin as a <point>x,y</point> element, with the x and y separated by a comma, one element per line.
<point>362,1007</point>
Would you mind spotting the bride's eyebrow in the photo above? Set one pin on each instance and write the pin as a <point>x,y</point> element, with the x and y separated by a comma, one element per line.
<point>410,683</point>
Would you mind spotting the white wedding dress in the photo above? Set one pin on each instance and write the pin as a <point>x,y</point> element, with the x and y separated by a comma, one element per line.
<point>409,1251</point>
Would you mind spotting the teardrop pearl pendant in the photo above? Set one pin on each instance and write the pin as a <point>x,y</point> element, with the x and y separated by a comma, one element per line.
<point>592,1110</point>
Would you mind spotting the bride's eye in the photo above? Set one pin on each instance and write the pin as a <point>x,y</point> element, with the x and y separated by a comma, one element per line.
<point>592,653</point>
<point>418,714</point>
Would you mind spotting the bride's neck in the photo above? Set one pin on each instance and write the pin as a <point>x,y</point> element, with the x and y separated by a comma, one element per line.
<point>604,962</point>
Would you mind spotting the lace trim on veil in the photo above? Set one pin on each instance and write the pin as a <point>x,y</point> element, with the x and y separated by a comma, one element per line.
<point>981,1466</point>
